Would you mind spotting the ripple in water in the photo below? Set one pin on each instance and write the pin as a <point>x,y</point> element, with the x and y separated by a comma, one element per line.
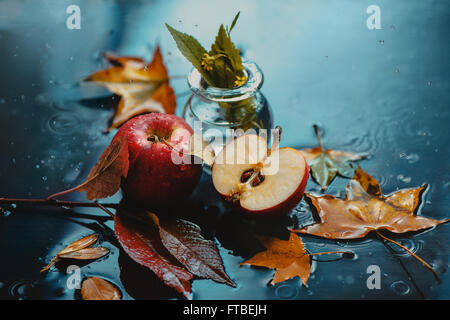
<point>63,123</point>
<point>415,246</point>
<point>400,287</point>
<point>20,289</point>
<point>286,291</point>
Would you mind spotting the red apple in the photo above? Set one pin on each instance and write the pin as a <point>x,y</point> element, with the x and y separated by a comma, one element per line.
<point>154,178</point>
<point>260,182</point>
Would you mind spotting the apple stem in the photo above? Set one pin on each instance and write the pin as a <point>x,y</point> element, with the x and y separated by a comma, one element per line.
<point>277,139</point>
<point>319,136</point>
<point>426,264</point>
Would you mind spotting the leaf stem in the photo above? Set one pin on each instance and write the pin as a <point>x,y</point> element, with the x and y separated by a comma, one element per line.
<point>319,136</point>
<point>426,264</point>
<point>330,252</point>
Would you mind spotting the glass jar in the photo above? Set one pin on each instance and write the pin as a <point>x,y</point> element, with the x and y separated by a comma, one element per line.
<point>221,114</point>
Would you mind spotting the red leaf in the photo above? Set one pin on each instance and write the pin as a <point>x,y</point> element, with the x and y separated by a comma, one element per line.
<point>144,246</point>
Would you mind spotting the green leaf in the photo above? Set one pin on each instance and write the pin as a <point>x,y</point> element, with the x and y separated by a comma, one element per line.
<point>234,21</point>
<point>326,164</point>
<point>191,50</point>
<point>223,45</point>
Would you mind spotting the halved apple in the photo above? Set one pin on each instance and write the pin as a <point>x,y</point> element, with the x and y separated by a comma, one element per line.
<point>258,180</point>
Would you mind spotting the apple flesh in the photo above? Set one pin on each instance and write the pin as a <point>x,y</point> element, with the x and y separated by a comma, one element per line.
<point>260,182</point>
<point>154,179</point>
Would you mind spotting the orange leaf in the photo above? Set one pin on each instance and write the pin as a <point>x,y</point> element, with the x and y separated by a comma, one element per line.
<point>94,288</point>
<point>80,244</point>
<point>365,209</point>
<point>143,87</point>
<point>289,258</point>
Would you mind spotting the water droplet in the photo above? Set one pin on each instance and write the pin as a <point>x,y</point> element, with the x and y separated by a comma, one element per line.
<point>412,158</point>
<point>400,287</point>
<point>63,123</point>
<point>6,213</point>
<point>44,178</point>
<point>403,178</point>
<point>381,41</point>
<point>37,166</point>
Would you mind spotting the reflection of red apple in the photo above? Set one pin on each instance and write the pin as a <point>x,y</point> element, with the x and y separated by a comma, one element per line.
<point>259,181</point>
<point>153,177</point>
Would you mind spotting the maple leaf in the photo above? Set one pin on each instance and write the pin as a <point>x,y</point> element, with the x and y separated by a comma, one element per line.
<point>365,209</point>
<point>288,257</point>
<point>94,288</point>
<point>105,177</point>
<point>142,87</point>
<point>198,255</point>
<point>325,164</point>
<point>143,244</point>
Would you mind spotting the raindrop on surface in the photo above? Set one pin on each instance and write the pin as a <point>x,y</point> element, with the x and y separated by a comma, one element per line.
<point>412,158</point>
<point>62,123</point>
<point>403,178</point>
<point>2,101</point>
<point>400,287</point>
<point>381,41</point>
<point>412,245</point>
<point>286,292</point>
<point>6,213</point>
<point>44,178</point>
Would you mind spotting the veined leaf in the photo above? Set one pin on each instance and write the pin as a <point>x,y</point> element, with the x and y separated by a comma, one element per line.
<point>94,288</point>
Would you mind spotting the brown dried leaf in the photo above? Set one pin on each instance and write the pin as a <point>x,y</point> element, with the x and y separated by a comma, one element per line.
<point>105,177</point>
<point>365,209</point>
<point>143,87</point>
<point>94,288</point>
<point>73,247</point>
<point>85,254</point>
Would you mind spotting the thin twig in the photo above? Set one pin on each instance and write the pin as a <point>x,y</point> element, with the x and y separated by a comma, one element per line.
<point>426,264</point>
<point>410,277</point>
<point>104,209</point>
<point>59,203</point>
<point>330,252</point>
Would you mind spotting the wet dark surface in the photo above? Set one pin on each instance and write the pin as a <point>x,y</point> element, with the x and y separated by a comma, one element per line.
<point>382,92</point>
